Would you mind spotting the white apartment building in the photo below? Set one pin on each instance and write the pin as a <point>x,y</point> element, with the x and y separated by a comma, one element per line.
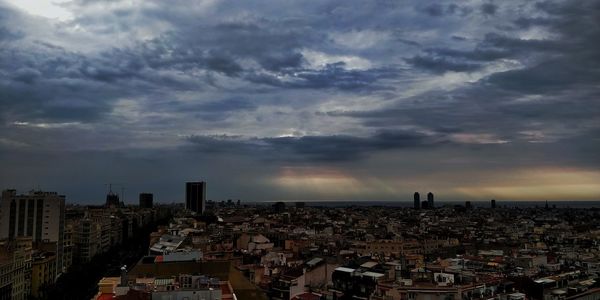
<point>39,215</point>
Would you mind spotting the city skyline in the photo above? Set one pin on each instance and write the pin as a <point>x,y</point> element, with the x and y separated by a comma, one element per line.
<point>471,100</point>
<point>146,200</point>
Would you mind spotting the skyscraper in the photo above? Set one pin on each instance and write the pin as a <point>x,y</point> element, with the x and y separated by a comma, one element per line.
<point>493,203</point>
<point>417,200</point>
<point>146,200</point>
<point>39,215</point>
<point>195,196</point>
<point>430,199</point>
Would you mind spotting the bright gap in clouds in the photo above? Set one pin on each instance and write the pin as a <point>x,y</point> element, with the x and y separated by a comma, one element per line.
<point>43,8</point>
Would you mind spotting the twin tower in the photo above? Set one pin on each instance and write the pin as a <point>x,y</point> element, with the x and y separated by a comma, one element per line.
<point>425,204</point>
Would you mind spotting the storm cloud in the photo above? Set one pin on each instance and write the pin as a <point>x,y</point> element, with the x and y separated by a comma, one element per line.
<point>261,98</point>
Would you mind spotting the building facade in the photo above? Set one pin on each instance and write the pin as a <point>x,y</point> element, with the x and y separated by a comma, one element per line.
<point>146,200</point>
<point>43,272</point>
<point>112,200</point>
<point>430,199</point>
<point>15,268</point>
<point>195,196</point>
<point>87,240</point>
<point>39,215</point>
<point>417,200</point>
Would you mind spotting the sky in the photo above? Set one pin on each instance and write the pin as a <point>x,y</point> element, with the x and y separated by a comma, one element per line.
<point>301,100</point>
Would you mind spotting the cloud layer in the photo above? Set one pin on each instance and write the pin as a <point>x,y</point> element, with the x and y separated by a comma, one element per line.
<point>348,99</point>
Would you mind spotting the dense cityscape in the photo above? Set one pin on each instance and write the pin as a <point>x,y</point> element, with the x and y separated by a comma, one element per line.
<point>211,250</point>
<point>299,150</point>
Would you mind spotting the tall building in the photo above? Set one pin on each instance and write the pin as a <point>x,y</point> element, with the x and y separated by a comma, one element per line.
<point>39,215</point>
<point>195,196</point>
<point>417,200</point>
<point>430,199</point>
<point>146,200</point>
<point>493,203</point>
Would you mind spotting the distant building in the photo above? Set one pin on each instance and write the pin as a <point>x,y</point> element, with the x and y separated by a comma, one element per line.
<point>468,205</point>
<point>112,199</point>
<point>424,204</point>
<point>146,200</point>
<point>279,207</point>
<point>430,199</point>
<point>39,215</point>
<point>493,203</point>
<point>300,204</point>
<point>417,200</point>
<point>195,196</point>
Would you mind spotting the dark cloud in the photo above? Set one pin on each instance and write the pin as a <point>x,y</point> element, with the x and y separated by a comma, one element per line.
<point>528,22</point>
<point>552,75</point>
<point>388,88</point>
<point>487,109</point>
<point>479,54</point>
<point>7,35</point>
<point>223,64</point>
<point>214,110</point>
<point>26,75</point>
<point>434,10</point>
<point>439,10</point>
<point>441,65</point>
<point>489,8</point>
<point>337,148</point>
<point>331,76</point>
<point>231,104</point>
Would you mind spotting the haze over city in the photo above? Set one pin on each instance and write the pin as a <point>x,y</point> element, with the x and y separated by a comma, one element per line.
<point>318,100</point>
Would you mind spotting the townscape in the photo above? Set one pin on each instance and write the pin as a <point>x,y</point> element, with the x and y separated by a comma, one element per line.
<point>299,150</point>
<point>298,250</point>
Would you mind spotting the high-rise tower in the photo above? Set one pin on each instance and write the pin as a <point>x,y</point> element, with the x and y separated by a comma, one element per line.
<point>417,200</point>
<point>430,199</point>
<point>195,196</point>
